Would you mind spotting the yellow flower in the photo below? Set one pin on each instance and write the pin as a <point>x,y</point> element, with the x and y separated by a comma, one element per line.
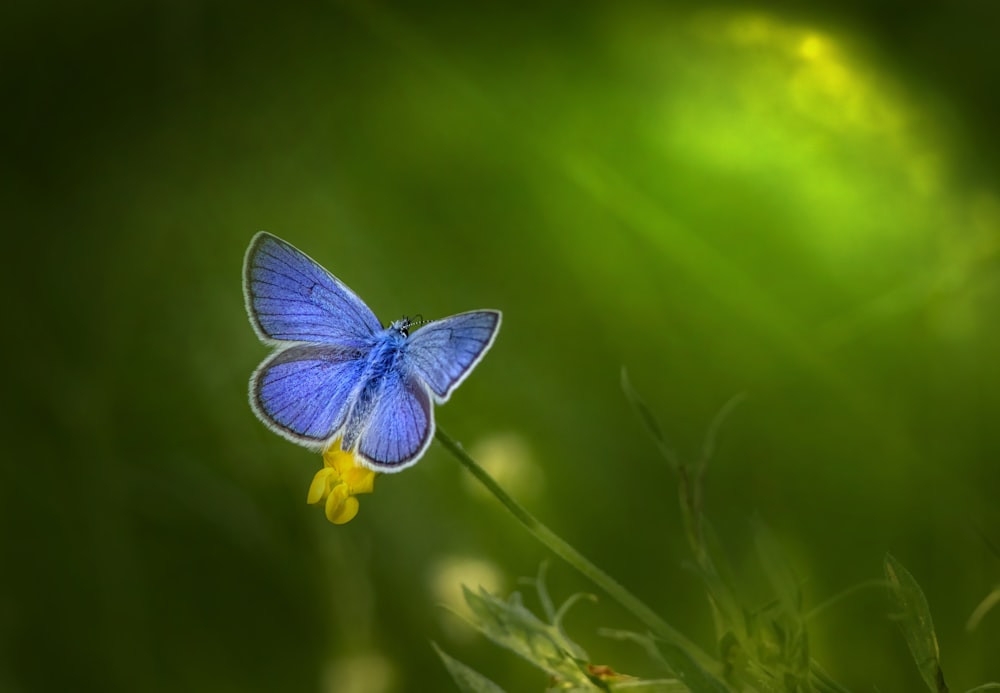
<point>338,482</point>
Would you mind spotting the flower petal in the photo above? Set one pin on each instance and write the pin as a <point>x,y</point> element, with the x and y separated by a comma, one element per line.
<point>347,511</point>
<point>335,500</point>
<point>361,480</point>
<point>341,507</point>
<point>320,486</point>
<point>338,459</point>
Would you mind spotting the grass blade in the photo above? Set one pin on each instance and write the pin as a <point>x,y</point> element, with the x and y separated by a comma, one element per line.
<point>915,620</point>
<point>466,678</point>
<point>649,421</point>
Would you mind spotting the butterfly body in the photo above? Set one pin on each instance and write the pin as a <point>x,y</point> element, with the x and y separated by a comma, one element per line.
<point>386,352</point>
<point>337,372</point>
<point>384,360</point>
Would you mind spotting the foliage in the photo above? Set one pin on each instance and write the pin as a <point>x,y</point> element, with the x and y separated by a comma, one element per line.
<point>759,647</point>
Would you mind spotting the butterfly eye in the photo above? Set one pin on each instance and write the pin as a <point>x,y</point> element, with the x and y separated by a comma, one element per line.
<point>403,325</point>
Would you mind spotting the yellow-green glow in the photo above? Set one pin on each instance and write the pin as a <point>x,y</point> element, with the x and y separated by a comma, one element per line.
<point>508,458</point>
<point>445,580</point>
<point>368,672</point>
<point>834,135</point>
<point>852,170</point>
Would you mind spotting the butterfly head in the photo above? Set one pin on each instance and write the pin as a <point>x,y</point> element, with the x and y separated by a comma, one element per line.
<point>404,324</point>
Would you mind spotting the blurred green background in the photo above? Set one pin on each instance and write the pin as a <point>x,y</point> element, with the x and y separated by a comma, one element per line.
<point>795,200</point>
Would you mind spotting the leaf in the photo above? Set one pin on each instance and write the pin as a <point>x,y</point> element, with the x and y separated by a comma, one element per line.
<point>466,678</point>
<point>689,671</point>
<point>825,682</point>
<point>675,660</point>
<point>984,607</point>
<point>650,686</point>
<point>649,421</point>
<point>543,591</point>
<point>708,447</point>
<point>786,623</point>
<point>645,641</point>
<point>777,567</point>
<point>509,624</point>
<point>719,581</point>
<point>915,621</point>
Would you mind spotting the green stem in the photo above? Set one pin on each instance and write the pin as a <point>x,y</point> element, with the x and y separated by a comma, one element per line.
<point>612,587</point>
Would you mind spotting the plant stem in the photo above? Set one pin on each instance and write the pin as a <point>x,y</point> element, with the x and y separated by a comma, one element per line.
<point>558,546</point>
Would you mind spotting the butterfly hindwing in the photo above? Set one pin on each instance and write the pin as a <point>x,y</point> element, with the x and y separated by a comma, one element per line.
<point>399,425</point>
<point>290,297</point>
<point>304,392</point>
<point>445,351</point>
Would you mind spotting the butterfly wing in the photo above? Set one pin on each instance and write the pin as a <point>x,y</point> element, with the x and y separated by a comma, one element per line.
<point>290,297</point>
<point>304,392</point>
<point>399,426</point>
<point>444,352</point>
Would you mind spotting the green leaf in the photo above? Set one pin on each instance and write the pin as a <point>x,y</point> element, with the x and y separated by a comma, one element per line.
<point>509,624</point>
<point>675,660</point>
<point>708,447</point>
<point>466,678</point>
<point>983,608</point>
<point>777,568</point>
<point>716,573</point>
<point>649,421</point>
<point>645,641</point>
<point>915,621</point>
<point>689,671</point>
<point>778,646</point>
<point>824,682</point>
<point>650,686</point>
<point>985,687</point>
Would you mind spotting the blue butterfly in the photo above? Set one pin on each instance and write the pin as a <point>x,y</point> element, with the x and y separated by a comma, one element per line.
<point>337,372</point>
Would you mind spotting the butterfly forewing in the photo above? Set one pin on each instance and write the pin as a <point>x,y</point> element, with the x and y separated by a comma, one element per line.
<point>445,351</point>
<point>292,298</point>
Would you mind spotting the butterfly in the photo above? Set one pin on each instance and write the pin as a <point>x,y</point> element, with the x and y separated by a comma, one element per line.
<point>337,372</point>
